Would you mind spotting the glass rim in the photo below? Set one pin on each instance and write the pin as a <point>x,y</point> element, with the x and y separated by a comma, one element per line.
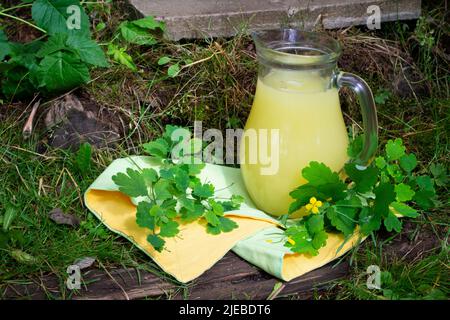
<point>311,48</point>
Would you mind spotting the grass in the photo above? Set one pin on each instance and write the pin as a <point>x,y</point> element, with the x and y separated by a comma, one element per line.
<point>218,89</point>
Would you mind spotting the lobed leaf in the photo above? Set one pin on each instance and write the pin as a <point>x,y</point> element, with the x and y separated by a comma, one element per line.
<point>132,183</point>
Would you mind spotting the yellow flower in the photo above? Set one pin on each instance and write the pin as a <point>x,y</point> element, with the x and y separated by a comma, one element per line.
<point>269,241</point>
<point>289,239</point>
<point>314,205</point>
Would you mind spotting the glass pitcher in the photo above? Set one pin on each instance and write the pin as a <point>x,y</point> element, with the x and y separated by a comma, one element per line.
<point>296,115</point>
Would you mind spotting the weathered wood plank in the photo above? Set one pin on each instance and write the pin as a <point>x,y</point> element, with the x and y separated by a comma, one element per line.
<point>230,278</point>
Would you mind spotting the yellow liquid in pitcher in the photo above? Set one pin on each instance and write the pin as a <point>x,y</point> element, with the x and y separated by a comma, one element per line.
<point>311,128</point>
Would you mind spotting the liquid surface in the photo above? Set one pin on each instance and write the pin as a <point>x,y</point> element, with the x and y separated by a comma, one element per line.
<point>311,128</point>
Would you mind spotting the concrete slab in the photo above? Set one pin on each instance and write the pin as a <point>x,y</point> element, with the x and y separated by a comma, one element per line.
<point>212,18</point>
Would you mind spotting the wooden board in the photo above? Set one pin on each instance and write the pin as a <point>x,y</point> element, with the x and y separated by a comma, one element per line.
<point>230,278</point>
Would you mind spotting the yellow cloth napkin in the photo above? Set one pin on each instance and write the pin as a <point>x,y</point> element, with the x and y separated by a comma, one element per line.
<point>258,239</point>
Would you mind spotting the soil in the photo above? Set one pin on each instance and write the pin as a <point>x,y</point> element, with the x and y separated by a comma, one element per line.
<point>76,118</point>
<point>413,243</point>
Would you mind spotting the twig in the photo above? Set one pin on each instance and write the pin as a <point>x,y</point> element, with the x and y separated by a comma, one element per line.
<point>113,279</point>
<point>200,61</point>
<point>2,13</point>
<point>34,153</point>
<point>28,127</point>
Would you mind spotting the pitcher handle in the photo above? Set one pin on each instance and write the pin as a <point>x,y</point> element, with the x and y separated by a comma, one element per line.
<point>369,114</point>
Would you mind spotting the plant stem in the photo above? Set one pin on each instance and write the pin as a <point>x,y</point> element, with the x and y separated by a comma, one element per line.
<point>16,7</point>
<point>2,13</point>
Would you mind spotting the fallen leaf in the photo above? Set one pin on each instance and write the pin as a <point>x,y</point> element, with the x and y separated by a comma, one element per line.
<point>84,263</point>
<point>58,216</point>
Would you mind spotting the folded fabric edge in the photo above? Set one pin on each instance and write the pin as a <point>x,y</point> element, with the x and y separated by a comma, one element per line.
<point>95,213</point>
<point>181,280</point>
<point>348,245</point>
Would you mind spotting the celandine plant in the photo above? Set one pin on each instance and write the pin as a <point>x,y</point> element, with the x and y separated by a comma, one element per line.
<point>174,192</point>
<point>366,199</point>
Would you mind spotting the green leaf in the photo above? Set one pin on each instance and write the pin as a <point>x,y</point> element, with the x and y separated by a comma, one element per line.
<point>303,193</point>
<point>223,225</point>
<point>56,16</point>
<point>169,207</point>
<point>343,215</point>
<point>403,192</point>
<point>158,148</point>
<point>194,169</point>
<point>187,203</point>
<point>54,44</point>
<point>332,191</point>
<point>25,54</point>
<point>8,218</point>
<point>439,172</point>
<point>156,242</point>
<point>181,180</point>
<point>315,223</point>
<point>83,158</point>
<point>408,162</point>
<point>355,146</point>
<point>404,210</point>
<point>150,176</point>
<point>369,220</point>
<point>149,23</point>
<point>216,207</point>
<point>132,184</point>
<point>189,215</point>
<point>61,71</point>
<point>88,50</point>
<point>303,243</point>
<point>162,190</point>
<point>143,217</point>
<point>425,199</point>
<point>203,190</point>
<point>17,83</point>
<point>164,60</point>
<point>226,224</point>
<point>169,229</point>
<point>211,218</point>
<point>320,239</point>
<point>214,230</point>
<point>319,174</point>
<point>173,70</point>
<point>233,204</point>
<point>395,172</point>
<point>382,96</point>
<point>384,196</point>
<point>391,222</point>
<point>119,55</point>
<point>425,183</point>
<point>395,149</point>
<point>5,48</point>
<point>133,33</point>
<point>101,26</point>
<point>380,162</point>
<point>364,179</point>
